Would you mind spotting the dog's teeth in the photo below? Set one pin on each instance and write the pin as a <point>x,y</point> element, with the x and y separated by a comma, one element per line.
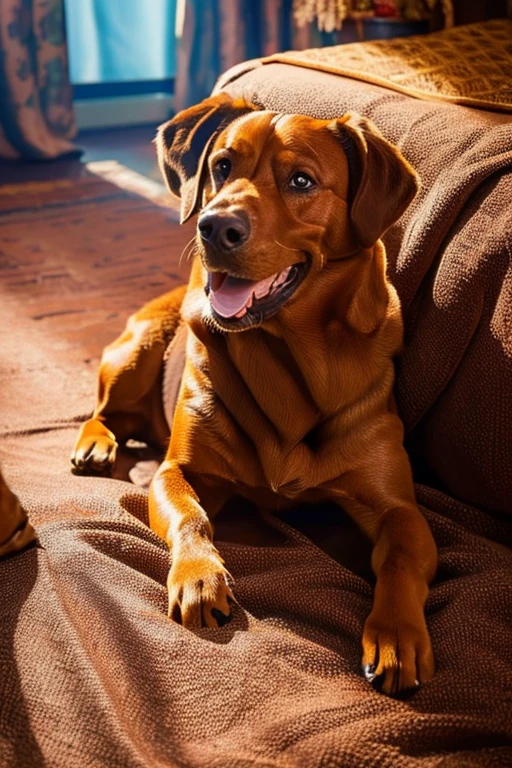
<point>280,279</point>
<point>269,286</point>
<point>274,285</point>
<point>264,288</point>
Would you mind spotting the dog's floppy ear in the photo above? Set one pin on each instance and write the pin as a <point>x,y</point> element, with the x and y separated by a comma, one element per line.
<point>369,304</point>
<point>182,145</point>
<point>381,181</point>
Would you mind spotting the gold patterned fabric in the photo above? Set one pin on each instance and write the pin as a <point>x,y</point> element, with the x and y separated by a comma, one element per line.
<point>470,65</point>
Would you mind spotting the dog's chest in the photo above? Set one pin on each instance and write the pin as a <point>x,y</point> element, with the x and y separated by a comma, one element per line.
<point>240,445</point>
<point>251,419</point>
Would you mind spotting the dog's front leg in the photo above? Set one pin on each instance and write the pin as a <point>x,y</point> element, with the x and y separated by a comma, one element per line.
<point>199,593</point>
<point>397,652</point>
<point>129,386</point>
<point>378,494</point>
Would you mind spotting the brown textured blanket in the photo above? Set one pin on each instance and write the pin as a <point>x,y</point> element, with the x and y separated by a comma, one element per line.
<point>92,671</point>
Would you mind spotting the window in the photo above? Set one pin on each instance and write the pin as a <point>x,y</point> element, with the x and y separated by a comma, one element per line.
<point>122,57</point>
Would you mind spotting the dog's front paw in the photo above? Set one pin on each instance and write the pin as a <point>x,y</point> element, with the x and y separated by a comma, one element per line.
<point>397,653</point>
<point>199,593</point>
<point>95,449</point>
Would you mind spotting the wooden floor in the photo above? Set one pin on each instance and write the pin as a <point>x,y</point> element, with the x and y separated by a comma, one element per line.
<point>132,147</point>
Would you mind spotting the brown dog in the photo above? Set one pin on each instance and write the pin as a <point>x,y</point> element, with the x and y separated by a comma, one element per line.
<point>286,395</point>
<point>16,532</point>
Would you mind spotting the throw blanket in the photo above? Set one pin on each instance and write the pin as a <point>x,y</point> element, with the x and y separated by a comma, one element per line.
<point>469,65</point>
<point>93,672</point>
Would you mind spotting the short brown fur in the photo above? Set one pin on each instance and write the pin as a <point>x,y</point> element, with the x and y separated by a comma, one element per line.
<point>298,407</point>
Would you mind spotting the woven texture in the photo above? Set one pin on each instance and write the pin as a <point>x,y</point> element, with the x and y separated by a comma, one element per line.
<point>450,259</point>
<point>469,65</point>
<point>93,672</point>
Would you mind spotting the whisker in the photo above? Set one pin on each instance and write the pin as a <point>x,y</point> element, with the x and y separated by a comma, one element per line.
<point>187,251</point>
<point>286,247</point>
<point>311,148</point>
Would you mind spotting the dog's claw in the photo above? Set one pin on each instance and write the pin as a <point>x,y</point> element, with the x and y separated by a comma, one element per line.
<point>369,672</point>
<point>377,681</point>
<point>95,450</point>
<point>397,653</point>
<point>199,593</point>
<point>220,618</point>
<point>97,458</point>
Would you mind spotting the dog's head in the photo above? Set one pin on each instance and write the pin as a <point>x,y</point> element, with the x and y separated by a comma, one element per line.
<point>278,196</point>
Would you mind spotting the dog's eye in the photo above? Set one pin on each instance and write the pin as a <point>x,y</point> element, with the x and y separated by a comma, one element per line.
<point>222,168</point>
<point>302,181</point>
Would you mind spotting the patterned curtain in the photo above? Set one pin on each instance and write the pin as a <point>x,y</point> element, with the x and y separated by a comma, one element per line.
<point>220,33</point>
<point>36,109</point>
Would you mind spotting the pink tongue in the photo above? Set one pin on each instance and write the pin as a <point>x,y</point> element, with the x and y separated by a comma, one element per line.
<point>231,296</point>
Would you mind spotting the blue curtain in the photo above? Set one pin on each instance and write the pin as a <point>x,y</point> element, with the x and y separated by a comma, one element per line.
<point>116,40</point>
<point>217,34</point>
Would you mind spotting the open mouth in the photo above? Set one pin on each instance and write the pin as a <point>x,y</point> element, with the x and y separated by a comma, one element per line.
<point>239,303</point>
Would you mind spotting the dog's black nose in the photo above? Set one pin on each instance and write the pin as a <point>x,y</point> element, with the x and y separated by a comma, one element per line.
<point>224,230</point>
